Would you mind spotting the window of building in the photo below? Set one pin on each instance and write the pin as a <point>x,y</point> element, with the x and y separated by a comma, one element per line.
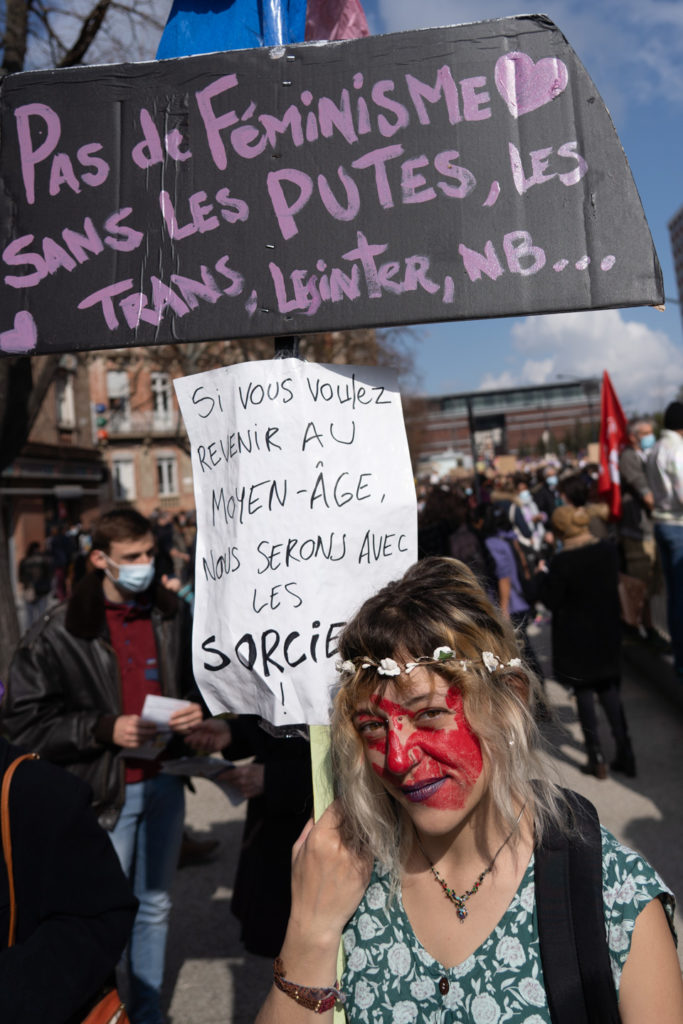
<point>167,475</point>
<point>486,400</point>
<point>66,405</point>
<point>454,405</point>
<point>123,475</point>
<point>162,400</point>
<point>118,398</point>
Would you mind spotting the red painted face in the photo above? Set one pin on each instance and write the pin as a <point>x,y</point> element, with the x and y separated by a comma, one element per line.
<point>423,748</point>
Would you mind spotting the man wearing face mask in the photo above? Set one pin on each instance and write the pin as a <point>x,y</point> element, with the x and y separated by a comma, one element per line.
<point>76,689</point>
<point>546,495</point>
<point>527,520</point>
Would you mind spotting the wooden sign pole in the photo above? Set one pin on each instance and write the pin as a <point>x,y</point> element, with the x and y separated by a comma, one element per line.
<point>323,795</point>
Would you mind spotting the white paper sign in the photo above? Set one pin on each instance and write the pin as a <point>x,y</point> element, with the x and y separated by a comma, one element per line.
<point>305,506</point>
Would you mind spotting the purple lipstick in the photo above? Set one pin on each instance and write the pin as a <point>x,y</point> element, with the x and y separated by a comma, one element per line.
<point>423,790</point>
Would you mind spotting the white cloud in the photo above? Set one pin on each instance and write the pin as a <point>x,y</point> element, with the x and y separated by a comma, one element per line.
<point>534,371</point>
<point>645,365</point>
<point>492,381</point>
<point>537,371</point>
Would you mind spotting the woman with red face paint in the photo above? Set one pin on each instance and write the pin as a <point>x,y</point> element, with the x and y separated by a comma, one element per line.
<point>437,864</point>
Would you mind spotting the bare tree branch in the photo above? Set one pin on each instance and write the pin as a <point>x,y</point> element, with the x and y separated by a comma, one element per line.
<point>44,15</point>
<point>91,26</point>
<point>140,14</point>
<point>44,371</point>
<point>16,31</point>
<point>64,33</point>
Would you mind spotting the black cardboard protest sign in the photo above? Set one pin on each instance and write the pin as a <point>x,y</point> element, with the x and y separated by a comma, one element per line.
<point>445,174</point>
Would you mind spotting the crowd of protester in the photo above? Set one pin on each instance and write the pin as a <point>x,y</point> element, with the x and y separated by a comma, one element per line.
<point>545,547</point>
<point>52,567</point>
<point>539,540</point>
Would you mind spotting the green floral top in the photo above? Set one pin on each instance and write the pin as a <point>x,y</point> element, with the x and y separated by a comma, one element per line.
<point>391,979</point>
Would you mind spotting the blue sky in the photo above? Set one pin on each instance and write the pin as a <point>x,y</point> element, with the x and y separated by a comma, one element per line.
<point>633,50</point>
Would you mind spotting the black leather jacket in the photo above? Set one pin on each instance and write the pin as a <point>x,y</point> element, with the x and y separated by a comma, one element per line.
<point>64,690</point>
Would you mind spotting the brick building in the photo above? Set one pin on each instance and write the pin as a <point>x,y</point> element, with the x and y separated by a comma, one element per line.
<point>59,478</point>
<point>138,422</point>
<point>516,421</point>
<point>140,432</point>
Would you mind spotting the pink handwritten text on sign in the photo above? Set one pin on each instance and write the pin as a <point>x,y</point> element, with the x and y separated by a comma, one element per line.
<point>275,191</point>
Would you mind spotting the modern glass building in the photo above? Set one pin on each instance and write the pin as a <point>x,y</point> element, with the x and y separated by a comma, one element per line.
<point>516,421</point>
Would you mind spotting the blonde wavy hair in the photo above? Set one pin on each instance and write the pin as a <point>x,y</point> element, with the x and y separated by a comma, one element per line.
<point>440,603</point>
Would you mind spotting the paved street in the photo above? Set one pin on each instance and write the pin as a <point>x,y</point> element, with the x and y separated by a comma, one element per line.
<point>211,979</point>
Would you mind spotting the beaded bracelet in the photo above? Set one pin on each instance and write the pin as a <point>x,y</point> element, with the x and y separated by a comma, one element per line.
<point>320,1000</point>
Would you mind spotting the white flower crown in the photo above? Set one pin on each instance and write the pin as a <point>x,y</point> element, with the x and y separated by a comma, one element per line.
<point>389,667</point>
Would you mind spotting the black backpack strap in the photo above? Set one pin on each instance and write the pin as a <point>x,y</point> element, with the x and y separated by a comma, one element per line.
<point>559,957</point>
<point>589,916</point>
<point>571,923</point>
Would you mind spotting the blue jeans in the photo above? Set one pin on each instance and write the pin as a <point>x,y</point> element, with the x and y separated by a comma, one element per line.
<point>669,537</point>
<point>147,840</point>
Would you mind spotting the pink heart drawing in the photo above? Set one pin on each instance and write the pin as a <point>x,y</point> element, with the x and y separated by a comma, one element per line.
<point>21,338</point>
<point>525,85</point>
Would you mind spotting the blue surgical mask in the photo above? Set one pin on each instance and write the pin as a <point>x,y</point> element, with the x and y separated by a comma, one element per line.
<point>551,481</point>
<point>646,441</point>
<point>524,497</point>
<point>133,578</point>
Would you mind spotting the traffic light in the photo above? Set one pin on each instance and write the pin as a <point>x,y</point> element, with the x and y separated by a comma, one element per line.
<point>101,421</point>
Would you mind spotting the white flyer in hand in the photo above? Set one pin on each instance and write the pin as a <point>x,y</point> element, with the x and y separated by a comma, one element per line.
<point>305,505</point>
<point>159,709</point>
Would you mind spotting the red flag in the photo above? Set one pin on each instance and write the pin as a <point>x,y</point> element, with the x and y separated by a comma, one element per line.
<point>335,19</point>
<point>613,439</point>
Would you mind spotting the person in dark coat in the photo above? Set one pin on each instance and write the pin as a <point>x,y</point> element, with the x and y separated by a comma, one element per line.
<point>435,522</point>
<point>512,576</point>
<point>546,495</point>
<point>35,576</point>
<point>464,542</point>
<point>76,692</point>
<point>75,907</point>
<point>279,788</point>
<point>580,589</point>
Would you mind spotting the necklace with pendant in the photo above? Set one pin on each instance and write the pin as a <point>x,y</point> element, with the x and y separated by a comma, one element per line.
<point>460,900</point>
